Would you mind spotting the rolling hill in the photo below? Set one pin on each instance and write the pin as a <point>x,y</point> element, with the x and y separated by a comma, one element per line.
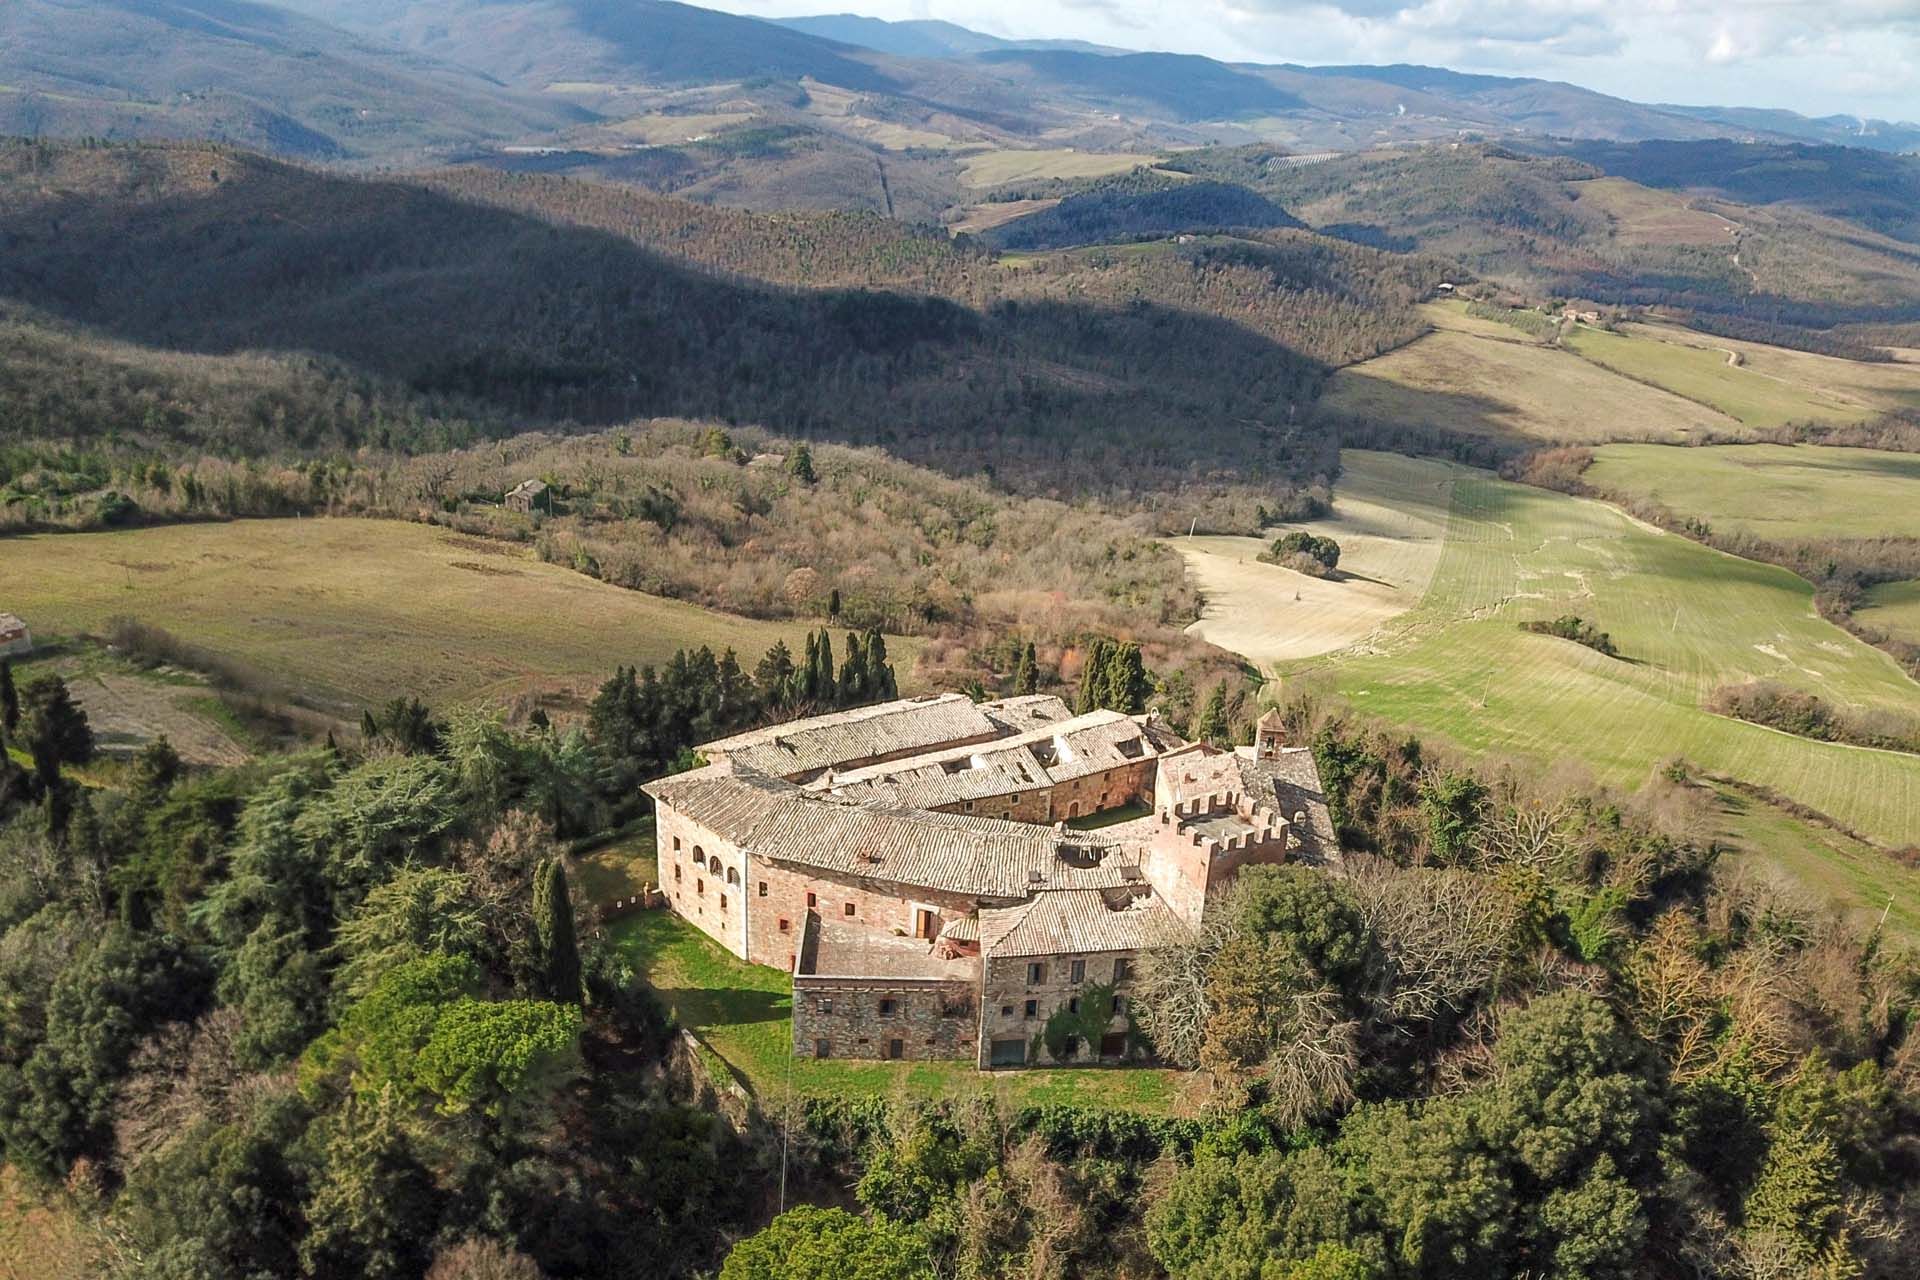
<point>1143,376</point>
<point>249,74</point>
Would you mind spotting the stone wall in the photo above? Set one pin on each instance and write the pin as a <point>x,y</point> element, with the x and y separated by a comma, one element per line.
<point>920,1019</point>
<point>1075,798</point>
<point>714,901</point>
<point>1008,988</point>
<point>877,905</point>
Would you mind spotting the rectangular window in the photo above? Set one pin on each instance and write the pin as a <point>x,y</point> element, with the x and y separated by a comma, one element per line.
<point>763,888</point>
<point>813,900</point>
<point>886,1008</point>
<point>1079,970</point>
<point>823,1048</point>
<point>1073,1005</point>
<point>1122,969</point>
<point>676,875</point>
<point>1006,1011</point>
<point>1033,1008</point>
<point>826,1004</point>
<point>785,926</point>
<point>700,887</point>
<point>1119,1004</point>
<point>1036,974</point>
<point>676,844</point>
<point>849,908</point>
<point>723,902</point>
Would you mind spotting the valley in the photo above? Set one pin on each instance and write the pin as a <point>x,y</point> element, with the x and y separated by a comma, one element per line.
<point>637,639</point>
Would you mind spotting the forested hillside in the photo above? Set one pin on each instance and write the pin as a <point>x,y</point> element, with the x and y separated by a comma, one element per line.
<point>1555,224</point>
<point>563,301</point>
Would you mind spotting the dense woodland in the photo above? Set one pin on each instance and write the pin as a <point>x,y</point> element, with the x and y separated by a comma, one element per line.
<point>561,301</point>
<point>1114,214</point>
<point>340,1012</point>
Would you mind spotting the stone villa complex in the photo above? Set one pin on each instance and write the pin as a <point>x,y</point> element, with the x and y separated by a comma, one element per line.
<point>914,866</point>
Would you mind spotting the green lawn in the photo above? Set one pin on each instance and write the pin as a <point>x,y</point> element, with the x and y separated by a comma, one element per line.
<point>618,869</point>
<point>1701,373</point>
<point>1111,817</point>
<point>1894,607</point>
<point>1783,492</point>
<point>1859,879</point>
<point>1686,618</point>
<point>743,1013</point>
<point>354,612</point>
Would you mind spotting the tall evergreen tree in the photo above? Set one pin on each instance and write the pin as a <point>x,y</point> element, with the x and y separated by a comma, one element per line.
<point>854,675</point>
<point>1212,726</point>
<point>1127,682</point>
<point>9,698</point>
<point>1093,677</point>
<point>774,676</point>
<point>53,728</point>
<point>553,925</point>
<point>1026,673</point>
<point>828,693</point>
<point>879,671</point>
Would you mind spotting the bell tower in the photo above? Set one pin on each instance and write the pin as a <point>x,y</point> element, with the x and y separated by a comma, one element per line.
<point>1270,735</point>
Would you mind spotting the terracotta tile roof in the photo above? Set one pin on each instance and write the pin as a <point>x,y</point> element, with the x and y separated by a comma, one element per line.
<point>1027,711</point>
<point>1038,758</point>
<point>880,840</point>
<point>1290,783</point>
<point>1070,920</point>
<point>802,747</point>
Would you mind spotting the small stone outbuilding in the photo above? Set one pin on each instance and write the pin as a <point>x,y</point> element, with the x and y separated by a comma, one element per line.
<point>15,639</point>
<point>529,496</point>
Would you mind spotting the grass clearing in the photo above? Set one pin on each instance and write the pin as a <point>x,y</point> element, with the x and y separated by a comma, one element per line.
<point>993,168</point>
<point>1893,607</point>
<point>1480,377</point>
<point>1784,492</point>
<point>1390,519</point>
<point>360,611</point>
<point>743,1013</point>
<point>42,1236</point>
<point>1885,386</point>
<point>1645,216</point>
<point>619,869</point>
<point>1688,618</point>
<point>1744,392</point>
<point>1859,879</point>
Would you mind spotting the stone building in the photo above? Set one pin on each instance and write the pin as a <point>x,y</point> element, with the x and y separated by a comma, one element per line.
<point>912,866</point>
<point>15,639</point>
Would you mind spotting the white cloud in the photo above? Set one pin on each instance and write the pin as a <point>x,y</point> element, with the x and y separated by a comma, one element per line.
<point>1818,56</point>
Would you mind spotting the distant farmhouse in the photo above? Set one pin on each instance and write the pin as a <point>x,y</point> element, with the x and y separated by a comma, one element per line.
<point>912,866</point>
<point>15,639</point>
<point>529,496</point>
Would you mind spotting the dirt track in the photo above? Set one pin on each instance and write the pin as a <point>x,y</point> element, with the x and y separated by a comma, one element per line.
<point>1390,521</point>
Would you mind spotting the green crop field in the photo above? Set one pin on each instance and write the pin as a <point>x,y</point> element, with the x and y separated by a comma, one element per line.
<point>1687,619</point>
<point>1755,398</point>
<point>743,1014</point>
<point>354,612</point>
<point>1784,492</point>
<point>1481,377</point>
<point>1893,607</point>
<point>992,168</point>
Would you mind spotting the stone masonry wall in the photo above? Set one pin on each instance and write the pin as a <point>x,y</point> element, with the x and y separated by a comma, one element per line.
<point>879,906</point>
<point>923,1019</point>
<point>1007,989</point>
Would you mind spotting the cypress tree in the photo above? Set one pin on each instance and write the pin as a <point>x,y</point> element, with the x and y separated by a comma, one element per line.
<point>369,727</point>
<point>833,603</point>
<point>828,693</point>
<point>1212,725</point>
<point>879,671</point>
<point>1026,673</point>
<point>1093,677</point>
<point>553,924</point>
<point>9,698</point>
<point>1127,685</point>
<point>853,673</point>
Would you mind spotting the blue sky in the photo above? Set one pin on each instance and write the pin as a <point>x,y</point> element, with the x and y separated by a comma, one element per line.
<point>1831,57</point>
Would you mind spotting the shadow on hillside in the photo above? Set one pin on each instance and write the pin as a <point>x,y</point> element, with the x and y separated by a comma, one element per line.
<point>569,324</point>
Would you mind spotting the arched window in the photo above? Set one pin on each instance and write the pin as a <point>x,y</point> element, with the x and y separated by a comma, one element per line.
<point>713,865</point>
<point>1073,810</point>
<point>733,875</point>
<point>699,856</point>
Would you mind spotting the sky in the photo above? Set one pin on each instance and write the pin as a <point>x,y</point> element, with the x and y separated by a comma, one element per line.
<point>1818,57</point>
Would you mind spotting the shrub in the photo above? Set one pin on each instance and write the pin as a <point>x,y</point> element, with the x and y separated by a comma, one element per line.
<point>1577,629</point>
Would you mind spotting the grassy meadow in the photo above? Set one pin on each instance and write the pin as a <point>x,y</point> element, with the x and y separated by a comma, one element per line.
<point>993,168</point>
<point>1480,377</point>
<point>354,612</point>
<point>1686,620</point>
<point>1754,397</point>
<point>1893,607</point>
<point>1783,492</point>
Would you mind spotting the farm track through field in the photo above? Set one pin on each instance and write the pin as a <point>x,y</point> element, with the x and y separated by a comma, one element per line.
<point>1686,618</point>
